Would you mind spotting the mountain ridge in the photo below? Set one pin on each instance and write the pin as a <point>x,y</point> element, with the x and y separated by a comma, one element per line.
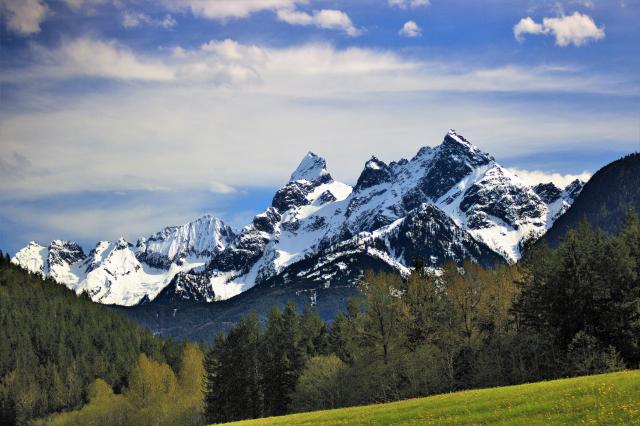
<point>450,202</point>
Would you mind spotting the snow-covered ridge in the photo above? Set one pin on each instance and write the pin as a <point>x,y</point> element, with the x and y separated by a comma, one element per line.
<point>449,202</point>
<point>121,273</point>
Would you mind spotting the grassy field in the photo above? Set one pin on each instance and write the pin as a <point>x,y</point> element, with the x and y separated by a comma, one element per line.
<point>602,399</point>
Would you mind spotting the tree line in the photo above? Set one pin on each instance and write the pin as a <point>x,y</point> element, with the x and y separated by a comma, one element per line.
<point>565,311</point>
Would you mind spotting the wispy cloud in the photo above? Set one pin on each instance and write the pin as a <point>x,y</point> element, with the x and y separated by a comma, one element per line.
<point>326,18</point>
<point>87,57</point>
<point>408,4</point>
<point>305,70</point>
<point>132,19</point>
<point>227,9</point>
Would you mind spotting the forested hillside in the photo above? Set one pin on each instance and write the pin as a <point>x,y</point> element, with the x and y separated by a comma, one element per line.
<point>604,200</point>
<point>54,345</point>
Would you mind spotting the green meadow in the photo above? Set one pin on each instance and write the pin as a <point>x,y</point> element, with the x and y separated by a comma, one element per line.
<point>601,399</point>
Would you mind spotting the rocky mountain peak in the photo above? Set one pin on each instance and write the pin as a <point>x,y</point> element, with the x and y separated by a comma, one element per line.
<point>374,173</point>
<point>456,145</point>
<point>64,252</point>
<point>311,168</point>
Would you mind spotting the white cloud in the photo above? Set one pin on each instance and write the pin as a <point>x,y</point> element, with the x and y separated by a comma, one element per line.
<point>576,29</point>
<point>534,177</point>
<point>85,57</point>
<point>325,18</point>
<point>527,26</point>
<point>410,29</point>
<point>225,9</point>
<point>24,17</point>
<point>408,4</point>
<point>131,19</point>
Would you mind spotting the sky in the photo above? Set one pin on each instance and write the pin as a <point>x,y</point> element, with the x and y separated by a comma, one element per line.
<point>120,117</point>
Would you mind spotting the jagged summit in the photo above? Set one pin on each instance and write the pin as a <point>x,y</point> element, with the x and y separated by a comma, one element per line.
<point>310,168</point>
<point>452,135</point>
<point>454,144</point>
<point>375,172</point>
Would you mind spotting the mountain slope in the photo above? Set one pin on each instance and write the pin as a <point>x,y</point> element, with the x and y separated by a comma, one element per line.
<point>450,202</point>
<point>604,200</point>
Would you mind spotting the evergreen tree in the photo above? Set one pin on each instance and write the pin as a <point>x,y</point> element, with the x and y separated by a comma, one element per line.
<point>233,374</point>
<point>284,356</point>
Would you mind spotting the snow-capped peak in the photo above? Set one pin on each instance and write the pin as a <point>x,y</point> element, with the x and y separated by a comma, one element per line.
<point>202,237</point>
<point>122,243</point>
<point>310,168</point>
<point>375,164</point>
<point>33,258</point>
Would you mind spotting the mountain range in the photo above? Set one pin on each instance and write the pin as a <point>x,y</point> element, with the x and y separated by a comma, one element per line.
<point>450,202</point>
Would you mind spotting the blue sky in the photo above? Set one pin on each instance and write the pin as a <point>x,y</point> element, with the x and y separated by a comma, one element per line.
<point>119,117</point>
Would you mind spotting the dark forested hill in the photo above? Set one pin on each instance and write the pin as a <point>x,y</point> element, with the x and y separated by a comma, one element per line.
<point>604,200</point>
<point>53,344</point>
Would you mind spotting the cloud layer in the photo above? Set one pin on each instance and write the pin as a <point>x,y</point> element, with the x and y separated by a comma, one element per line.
<point>226,115</point>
